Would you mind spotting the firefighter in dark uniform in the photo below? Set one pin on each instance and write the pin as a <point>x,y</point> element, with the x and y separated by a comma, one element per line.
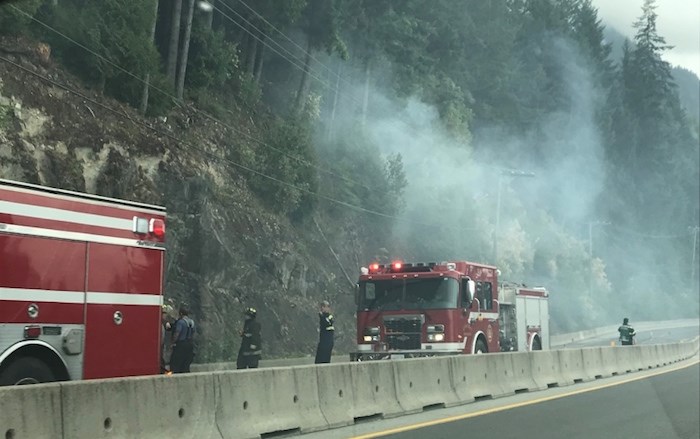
<point>326,331</point>
<point>626,333</point>
<point>251,342</point>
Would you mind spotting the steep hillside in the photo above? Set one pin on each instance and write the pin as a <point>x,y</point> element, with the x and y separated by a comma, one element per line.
<point>225,250</point>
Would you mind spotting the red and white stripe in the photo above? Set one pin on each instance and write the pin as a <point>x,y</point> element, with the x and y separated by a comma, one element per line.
<point>71,216</point>
<point>78,297</point>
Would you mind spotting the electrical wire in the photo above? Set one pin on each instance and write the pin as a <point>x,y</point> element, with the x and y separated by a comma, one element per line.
<point>245,29</point>
<point>218,158</point>
<point>304,51</point>
<point>175,99</point>
<point>650,236</point>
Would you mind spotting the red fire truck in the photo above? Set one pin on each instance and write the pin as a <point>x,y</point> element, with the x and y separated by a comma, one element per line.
<point>428,309</point>
<point>81,283</point>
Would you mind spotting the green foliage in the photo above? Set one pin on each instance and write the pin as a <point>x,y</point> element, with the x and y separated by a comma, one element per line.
<point>212,60</point>
<point>6,117</point>
<point>160,97</point>
<point>290,163</point>
<point>483,65</point>
<point>14,21</point>
<point>364,178</point>
<point>117,30</point>
<point>320,21</point>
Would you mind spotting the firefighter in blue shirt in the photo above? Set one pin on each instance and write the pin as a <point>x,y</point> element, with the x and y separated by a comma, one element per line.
<point>326,331</point>
<point>182,343</point>
<point>626,333</point>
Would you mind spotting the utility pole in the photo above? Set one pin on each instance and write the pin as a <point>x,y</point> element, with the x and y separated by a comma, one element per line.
<point>693,258</point>
<point>591,224</point>
<point>497,231</point>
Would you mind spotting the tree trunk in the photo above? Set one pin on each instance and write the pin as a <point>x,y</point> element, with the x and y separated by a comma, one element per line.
<point>331,123</point>
<point>304,82</point>
<point>365,97</point>
<point>259,59</point>
<point>146,81</point>
<point>171,69</point>
<point>102,83</point>
<point>185,50</point>
<point>210,16</point>
<point>241,36</point>
<point>251,52</point>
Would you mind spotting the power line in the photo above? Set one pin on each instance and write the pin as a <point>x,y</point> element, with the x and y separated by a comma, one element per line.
<point>202,112</point>
<point>294,63</point>
<point>292,41</point>
<point>646,235</point>
<point>287,51</point>
<point>221,159</point>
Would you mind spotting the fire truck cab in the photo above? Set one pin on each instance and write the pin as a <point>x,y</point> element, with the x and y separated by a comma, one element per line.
<point>429,309</point>
<point>81,283</point>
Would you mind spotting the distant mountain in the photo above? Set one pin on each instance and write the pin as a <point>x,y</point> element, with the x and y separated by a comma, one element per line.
<point>687,81</point>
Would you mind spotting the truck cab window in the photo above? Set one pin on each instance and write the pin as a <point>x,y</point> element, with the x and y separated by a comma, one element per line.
<point>484,293</point>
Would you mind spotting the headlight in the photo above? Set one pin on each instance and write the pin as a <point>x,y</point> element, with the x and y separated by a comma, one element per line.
<point>435,329</point>
<point>371,334</point>
<point>436,337</point>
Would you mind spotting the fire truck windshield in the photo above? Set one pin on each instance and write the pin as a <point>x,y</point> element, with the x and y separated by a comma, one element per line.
<point>408,294</point>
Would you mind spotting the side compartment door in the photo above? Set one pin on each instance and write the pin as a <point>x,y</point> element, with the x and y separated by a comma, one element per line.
<point>42,283</point>
<point>124,294</point>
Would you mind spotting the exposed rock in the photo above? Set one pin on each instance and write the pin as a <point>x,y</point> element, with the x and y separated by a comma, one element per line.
<point>225,250</point>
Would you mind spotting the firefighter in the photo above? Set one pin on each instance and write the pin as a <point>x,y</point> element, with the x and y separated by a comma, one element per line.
<point>326,331</point>
<point>251,342</point>
<point>166,337</point>
<point>626,333</point>
<point>183,343</point>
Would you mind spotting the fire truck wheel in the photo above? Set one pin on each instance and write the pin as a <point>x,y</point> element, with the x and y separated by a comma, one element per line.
<point>26,370</point>
<point>480,347</point>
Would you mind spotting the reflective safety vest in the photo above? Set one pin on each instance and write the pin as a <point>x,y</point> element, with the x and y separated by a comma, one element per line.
<point>325,325</point>
<point>626,333</point>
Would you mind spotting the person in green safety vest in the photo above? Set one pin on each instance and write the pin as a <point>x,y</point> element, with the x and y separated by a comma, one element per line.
<point>626,333</point>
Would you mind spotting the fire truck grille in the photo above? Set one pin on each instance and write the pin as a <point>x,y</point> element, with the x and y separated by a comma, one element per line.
<point>403,334</point>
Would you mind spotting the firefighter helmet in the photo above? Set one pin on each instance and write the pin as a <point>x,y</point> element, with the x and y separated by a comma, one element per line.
<point>250,312</point>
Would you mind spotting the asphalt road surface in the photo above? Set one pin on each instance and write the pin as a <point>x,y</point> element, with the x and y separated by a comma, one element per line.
<point>663,406</point>
<point>661,403</point>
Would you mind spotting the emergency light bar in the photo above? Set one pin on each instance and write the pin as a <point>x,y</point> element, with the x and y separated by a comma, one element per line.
<point>401,267</point>
<point>154,226</point>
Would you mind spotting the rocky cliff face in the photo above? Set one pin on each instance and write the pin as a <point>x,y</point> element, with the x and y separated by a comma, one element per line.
<point>225,250</point>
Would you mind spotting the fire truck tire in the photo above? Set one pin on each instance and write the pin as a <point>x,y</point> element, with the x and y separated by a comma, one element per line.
<point>480,347</point>
<point>26,370</point>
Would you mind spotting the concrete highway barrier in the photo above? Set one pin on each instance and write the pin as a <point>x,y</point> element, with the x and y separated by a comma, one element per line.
<point>545,369</point>
<point>126,408</point>
<point>254,402</point>
<point>593,367</point>
<point>265,402</point>
<point>374,392</point>
<point>31,411</point>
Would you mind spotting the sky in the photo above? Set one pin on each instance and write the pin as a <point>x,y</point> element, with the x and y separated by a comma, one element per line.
<point>678,22</point>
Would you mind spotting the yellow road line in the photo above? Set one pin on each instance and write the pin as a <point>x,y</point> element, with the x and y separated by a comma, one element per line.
<point>512,406</point>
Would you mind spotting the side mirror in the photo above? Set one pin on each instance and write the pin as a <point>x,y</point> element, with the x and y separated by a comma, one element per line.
<point>468,289</point>
<point>357,294</point>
